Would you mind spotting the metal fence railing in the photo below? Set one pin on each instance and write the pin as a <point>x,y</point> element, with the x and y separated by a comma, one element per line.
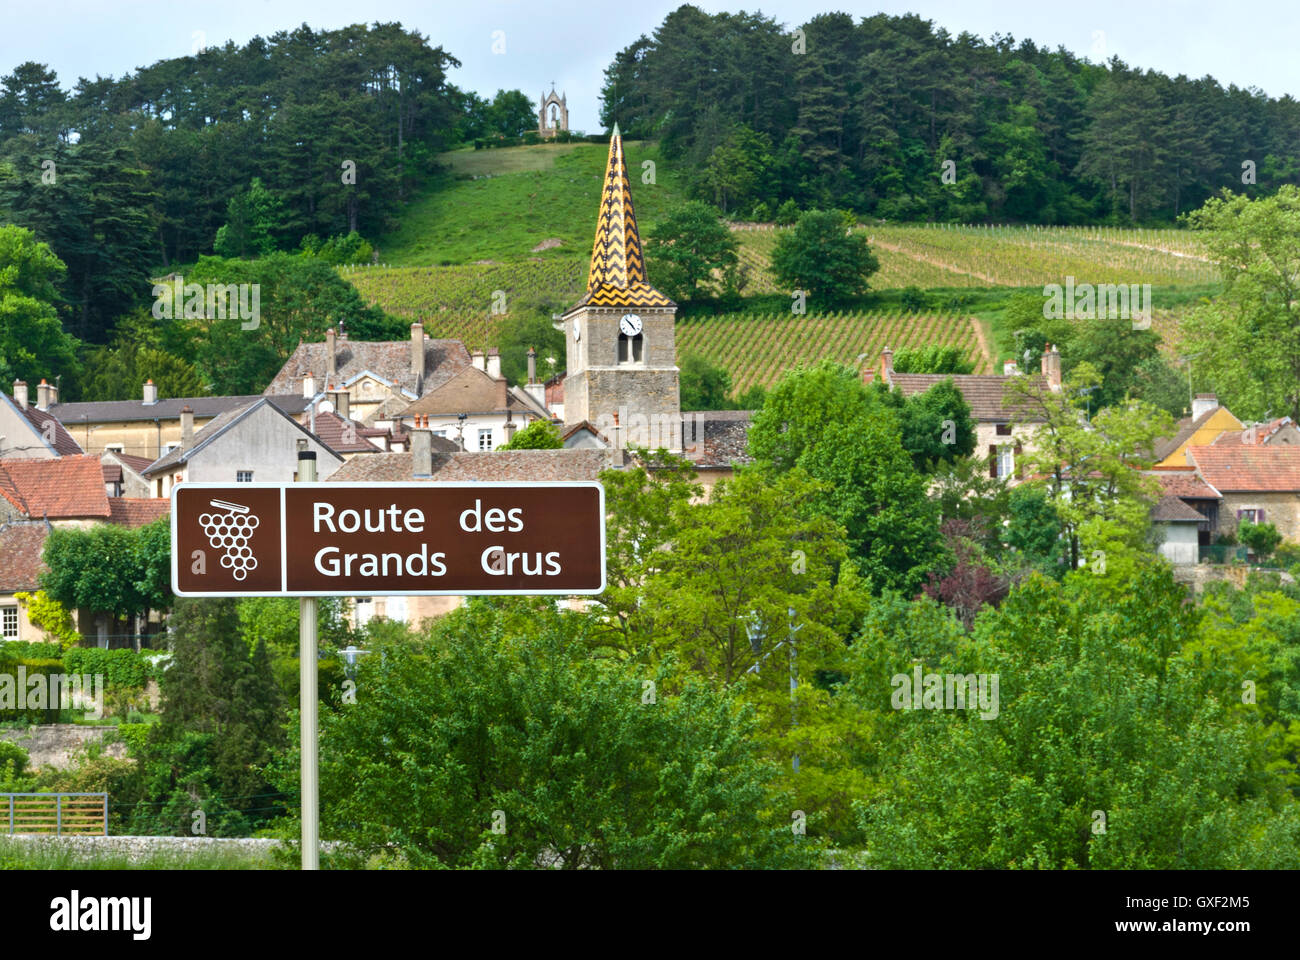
<point>1222,553</point>
<point>82,814</point>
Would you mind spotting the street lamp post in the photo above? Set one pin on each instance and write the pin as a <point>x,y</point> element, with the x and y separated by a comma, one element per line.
<point>757,631</point>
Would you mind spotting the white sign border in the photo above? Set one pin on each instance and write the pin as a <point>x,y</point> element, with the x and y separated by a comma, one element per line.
<point>382,485</point>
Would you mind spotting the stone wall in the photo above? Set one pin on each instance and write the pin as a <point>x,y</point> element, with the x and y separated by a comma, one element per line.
<point>56,744</point>
<point>1280,509</point>
<point>141,848</point>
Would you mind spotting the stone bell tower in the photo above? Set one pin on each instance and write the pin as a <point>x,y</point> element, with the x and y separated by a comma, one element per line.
<point>559,107</point>
<point>620,341</point>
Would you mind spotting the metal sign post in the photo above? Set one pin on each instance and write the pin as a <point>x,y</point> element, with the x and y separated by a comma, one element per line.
<point>307,705</point>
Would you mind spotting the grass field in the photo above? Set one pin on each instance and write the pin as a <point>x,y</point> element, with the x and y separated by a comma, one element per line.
<point>531,194</point>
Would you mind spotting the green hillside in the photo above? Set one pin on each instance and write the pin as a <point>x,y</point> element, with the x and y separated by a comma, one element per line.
<point>466,252</point>
<point>523,196</point>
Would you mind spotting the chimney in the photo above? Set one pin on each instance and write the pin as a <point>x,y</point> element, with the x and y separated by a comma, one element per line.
<point>494,363</point>
<point>421,454</point>
<point>1010,369</point>
<point>342,403</point>
<point>150,393</point>
<point>1203,404</point>
<point>187,427</point>
<point>43,395</point>
<point>309,386</point>
<point>1052,368</point>
<point>532,365</point>
<point>477,357</point>
<point>331,354</point>
<point>417,351</point>
<point>887,366</point>
<point>20,393</point>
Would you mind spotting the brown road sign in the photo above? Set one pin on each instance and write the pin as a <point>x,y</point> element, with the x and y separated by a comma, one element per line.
<point>390,539</point>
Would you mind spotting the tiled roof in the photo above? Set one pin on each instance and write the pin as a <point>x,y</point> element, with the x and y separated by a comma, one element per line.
<point>1185,483</point>
<point>21,544</point>
<point>1260,433</point>
<point>113,411</point>
<point>335,433</point>
<point>725,440</point>
<point>1186,428</point>
<point>58,488</point>
<point>505,465</point>
<point>1249,468</point>
<point>987,395</point>
<point>64,445</point>
<point>617,277</point>
<point>214,429</point>
<point>139,464</point>
<point>471,390</point>
<point>1173,510</point>
<point>389,360</point>
<point>136,511</point>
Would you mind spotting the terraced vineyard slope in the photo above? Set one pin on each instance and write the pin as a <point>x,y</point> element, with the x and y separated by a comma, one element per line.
<point>757,349</point>
<point>945,255</point>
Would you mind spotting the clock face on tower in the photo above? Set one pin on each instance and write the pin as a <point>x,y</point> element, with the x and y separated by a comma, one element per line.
<point>630,324</point>
<point>577,329</point>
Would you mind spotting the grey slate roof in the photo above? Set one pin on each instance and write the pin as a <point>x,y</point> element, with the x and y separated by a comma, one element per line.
<point>219,426</point>
<point>107,411</point>
<point>388,359</point>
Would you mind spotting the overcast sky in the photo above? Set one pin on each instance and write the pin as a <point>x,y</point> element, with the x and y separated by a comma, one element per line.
<point>572,41</point>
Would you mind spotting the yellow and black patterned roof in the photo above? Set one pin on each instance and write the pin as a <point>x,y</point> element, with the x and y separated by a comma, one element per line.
<point>617,277</point>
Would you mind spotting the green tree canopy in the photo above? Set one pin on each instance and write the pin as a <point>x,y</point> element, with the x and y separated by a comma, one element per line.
<point>825,257</point>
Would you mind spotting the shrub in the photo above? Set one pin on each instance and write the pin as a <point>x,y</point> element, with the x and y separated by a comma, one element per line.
<point>120,668</point>
<point>22,648</point>
<point>1262,538</point>
<point>914,299</point>
<point>761,212</point>
<point>787,214</point>
<point>13,761</point>
<point>32,666</point>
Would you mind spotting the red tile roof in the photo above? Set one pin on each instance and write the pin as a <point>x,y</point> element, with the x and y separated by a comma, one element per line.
<point>136,511</point>
<point>47,424</point>
<point>1249,468</point>
<point>57,488</point>
<point>516,466</point>
<point>1184,482</point>
<point>336,434</point>
<point>21,544</point>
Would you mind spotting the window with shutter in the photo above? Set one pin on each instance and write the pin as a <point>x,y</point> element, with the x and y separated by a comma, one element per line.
<point>993,460</point>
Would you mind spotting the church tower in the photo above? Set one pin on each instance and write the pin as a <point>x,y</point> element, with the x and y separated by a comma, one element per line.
<point>620,341</point>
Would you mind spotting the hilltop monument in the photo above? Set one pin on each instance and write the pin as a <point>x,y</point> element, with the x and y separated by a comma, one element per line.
<point>619,338</point>
<point>559,107</point>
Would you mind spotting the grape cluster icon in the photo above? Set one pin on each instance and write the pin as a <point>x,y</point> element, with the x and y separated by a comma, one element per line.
<point>230,530</point>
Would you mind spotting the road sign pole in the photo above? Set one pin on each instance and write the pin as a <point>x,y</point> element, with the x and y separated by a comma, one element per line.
<point>307,694</point>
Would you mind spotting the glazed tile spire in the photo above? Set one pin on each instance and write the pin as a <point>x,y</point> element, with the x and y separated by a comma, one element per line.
<point>617,277</point>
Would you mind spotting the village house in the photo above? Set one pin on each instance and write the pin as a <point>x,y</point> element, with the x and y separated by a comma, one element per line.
<point>252,443</point>
<point>1186,517</point>
<point>151,426</point>
<point>37,495</point>
<point>381,378</point>
<point>1004,423</point>
<point>1208,421</point>
<point>476,407</point>
<point>28,430</point>
<point>1257,482</point>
